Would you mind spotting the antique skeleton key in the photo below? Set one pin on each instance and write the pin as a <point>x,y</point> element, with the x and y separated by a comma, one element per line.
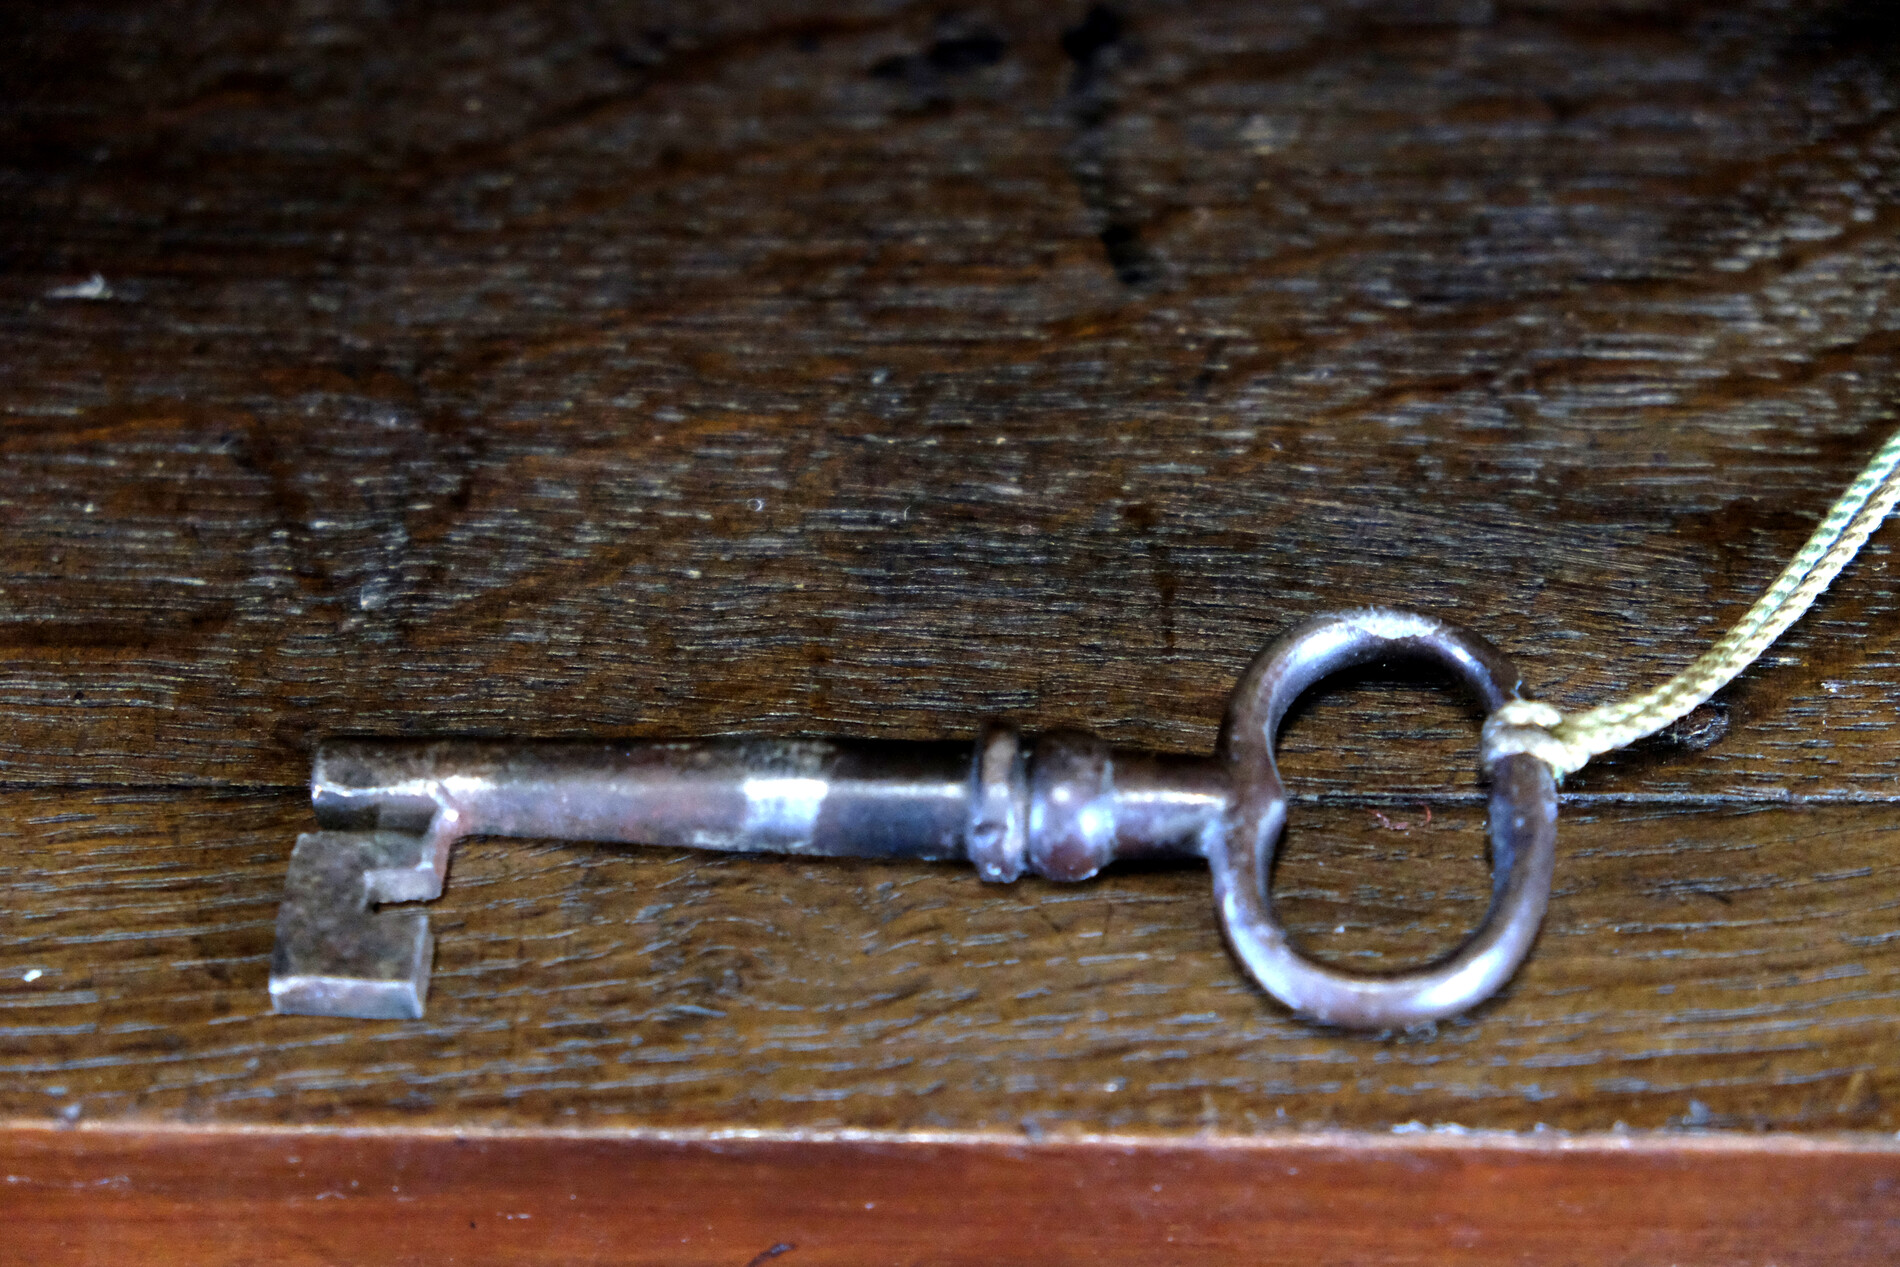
<point>1061,807</point>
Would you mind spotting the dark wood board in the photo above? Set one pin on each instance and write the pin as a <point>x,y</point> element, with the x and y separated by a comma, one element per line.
<point>574,369</point>
<point>1712,969</point>
<point>564,371</point>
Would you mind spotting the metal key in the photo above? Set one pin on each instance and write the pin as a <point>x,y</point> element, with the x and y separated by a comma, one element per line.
<point>1062,807</point>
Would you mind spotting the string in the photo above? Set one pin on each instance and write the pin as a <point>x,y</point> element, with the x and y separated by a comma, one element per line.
<point>1568,741</point>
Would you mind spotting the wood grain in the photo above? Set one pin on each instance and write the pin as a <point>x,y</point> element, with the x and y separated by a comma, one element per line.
<point>191,1197</point>
<point>719,383</point>
<point>1713,969</point>
<point>658,369</point>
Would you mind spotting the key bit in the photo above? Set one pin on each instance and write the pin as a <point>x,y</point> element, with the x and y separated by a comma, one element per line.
<point>1062,807</point>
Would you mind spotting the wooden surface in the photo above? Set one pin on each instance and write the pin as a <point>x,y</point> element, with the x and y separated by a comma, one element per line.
<point>1727,968</point>
<point>583,370</point>
<point>114,1197</point>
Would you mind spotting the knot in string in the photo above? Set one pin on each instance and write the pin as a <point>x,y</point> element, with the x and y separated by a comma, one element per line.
<point>1530,727</point>
<point>1567,742</point>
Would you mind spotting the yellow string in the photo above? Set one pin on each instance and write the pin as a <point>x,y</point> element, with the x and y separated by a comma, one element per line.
<point>1569,742</point>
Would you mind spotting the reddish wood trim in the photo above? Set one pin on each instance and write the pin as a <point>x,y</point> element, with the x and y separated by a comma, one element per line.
<point>154,1196</point>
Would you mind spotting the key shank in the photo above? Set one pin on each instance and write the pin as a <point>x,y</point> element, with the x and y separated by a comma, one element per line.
<point>392,811</point>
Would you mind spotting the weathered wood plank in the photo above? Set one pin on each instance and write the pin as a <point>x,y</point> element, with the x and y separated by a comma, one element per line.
<point>559,372</point>
<point>1732,968</point>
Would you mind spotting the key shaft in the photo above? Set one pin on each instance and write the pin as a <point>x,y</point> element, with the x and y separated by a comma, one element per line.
<point>392,811</point>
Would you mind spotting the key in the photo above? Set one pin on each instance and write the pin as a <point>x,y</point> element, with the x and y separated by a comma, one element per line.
<point>1061,807</point>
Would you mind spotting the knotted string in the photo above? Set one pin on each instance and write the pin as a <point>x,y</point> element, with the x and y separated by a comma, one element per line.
<point>1568,741</point>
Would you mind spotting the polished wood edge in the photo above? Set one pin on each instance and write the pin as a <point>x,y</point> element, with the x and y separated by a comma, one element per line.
<point>153,1194</point>
<point>1410,1137</point>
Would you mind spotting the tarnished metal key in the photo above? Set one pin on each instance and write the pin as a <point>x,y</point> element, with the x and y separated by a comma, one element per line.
<point>1061,807</point>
